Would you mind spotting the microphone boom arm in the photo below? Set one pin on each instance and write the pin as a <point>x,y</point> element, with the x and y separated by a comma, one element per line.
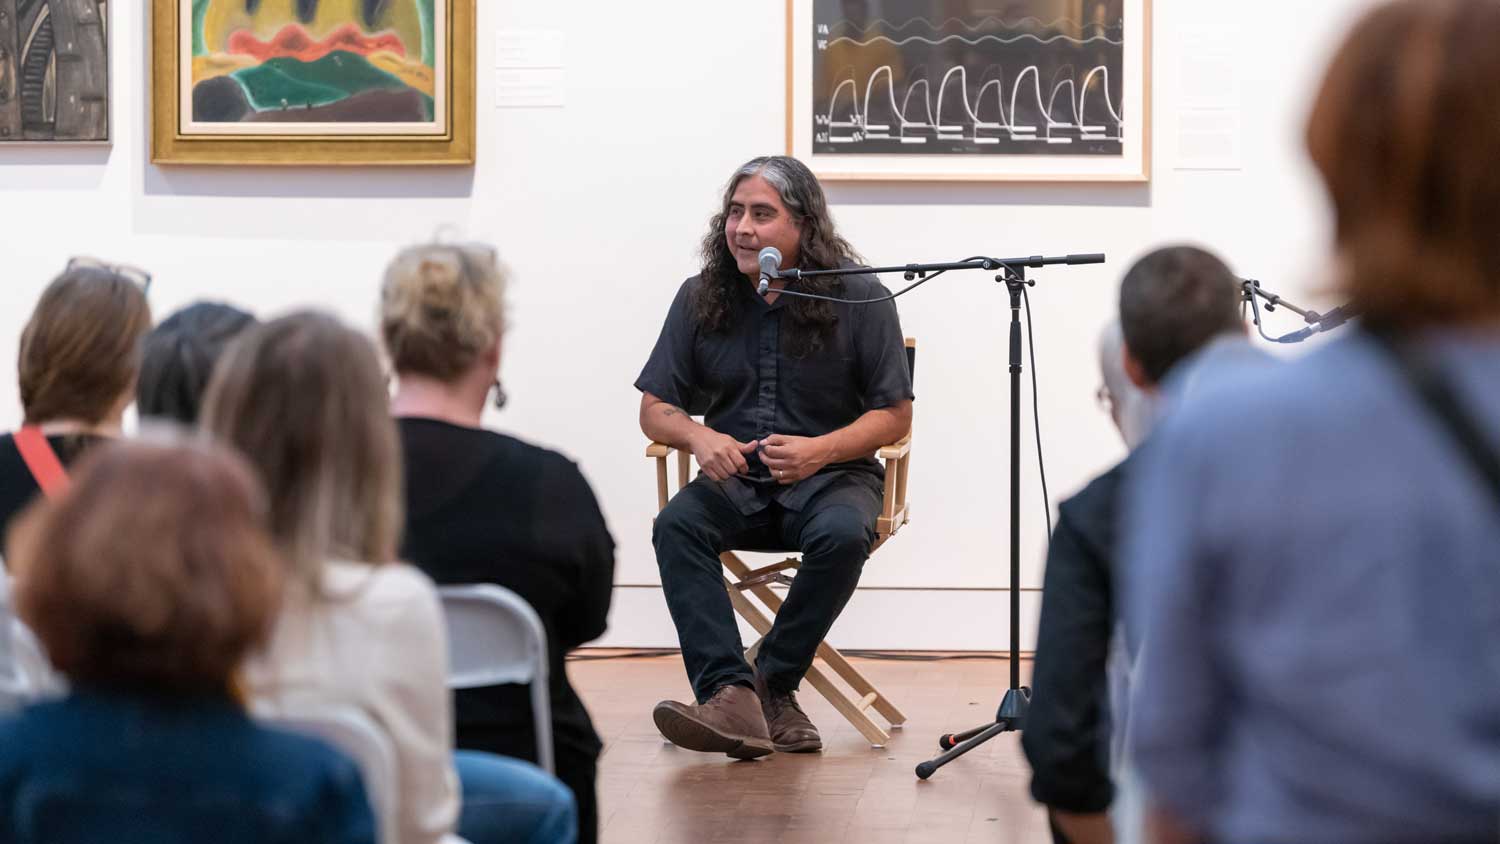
<point>913,271</point>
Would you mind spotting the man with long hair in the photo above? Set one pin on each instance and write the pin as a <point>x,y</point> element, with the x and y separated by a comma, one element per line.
<point>796,395</point>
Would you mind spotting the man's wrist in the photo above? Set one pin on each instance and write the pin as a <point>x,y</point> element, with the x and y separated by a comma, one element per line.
<point>828,448</point>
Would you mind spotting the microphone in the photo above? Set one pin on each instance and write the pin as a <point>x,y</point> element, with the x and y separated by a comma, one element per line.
<point>1326,322</point>
<point>770,267</point>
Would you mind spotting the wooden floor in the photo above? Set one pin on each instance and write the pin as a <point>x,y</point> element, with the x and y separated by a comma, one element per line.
<point>652,792</point>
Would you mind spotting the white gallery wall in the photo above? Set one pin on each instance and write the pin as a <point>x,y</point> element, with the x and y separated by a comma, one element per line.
<point>598,206</point>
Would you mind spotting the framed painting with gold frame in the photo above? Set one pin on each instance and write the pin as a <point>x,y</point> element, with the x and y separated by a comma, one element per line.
<point>963,90</point>
<point>312,82</point>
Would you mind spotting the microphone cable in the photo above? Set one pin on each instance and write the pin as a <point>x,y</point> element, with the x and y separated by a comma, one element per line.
<point>1036,416</point>
<point>1036,413</point>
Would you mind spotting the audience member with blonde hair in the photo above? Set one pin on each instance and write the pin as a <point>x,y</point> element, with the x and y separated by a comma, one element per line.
<point>485,507</point>
<point>78,363</point>
<point>1311,562</point>
<point>149,582</point>
<point>303,397</point>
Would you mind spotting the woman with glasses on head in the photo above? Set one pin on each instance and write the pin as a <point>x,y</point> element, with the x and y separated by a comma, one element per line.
<point>482,507</point>
<point>78,364</point>
<point>303,397</point>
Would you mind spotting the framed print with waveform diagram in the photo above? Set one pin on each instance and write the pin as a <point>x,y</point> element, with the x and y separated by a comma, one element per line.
<point>965,90</point>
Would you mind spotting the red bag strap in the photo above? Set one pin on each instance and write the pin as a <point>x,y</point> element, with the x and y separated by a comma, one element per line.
<point>42,461</point>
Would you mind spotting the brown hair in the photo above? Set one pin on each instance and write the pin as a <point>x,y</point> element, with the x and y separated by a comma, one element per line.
<point>155,571</point>
<point>1405,132</point>
<point>80,351</point>
<point>304,399</point>
<point>1173,302</point>
<point>441,307</point>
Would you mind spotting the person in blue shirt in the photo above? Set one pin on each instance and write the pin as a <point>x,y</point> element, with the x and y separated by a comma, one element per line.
<point>1310,556</point>
<point>147,581</point>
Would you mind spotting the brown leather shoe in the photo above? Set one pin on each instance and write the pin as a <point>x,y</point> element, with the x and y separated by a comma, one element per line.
<point>730,723</point>
<point>791,730</point>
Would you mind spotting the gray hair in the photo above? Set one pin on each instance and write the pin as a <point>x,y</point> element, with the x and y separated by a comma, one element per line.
<point>1132,409</point>
<point>794,183</point>
<point>724,292</point>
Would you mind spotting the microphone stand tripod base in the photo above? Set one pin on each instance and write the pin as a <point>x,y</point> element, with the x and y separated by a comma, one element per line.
<point>1010,717</point>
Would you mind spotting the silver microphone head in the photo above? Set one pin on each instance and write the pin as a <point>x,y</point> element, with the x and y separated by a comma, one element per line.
<point>770,262</point>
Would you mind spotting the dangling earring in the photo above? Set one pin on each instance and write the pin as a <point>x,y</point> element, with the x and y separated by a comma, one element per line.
<point>499,395</point>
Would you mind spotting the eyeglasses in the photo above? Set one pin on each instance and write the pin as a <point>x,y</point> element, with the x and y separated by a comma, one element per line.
<point>135,275</point>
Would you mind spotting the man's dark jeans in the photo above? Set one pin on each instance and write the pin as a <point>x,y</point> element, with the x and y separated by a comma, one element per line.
<point>833,532</point>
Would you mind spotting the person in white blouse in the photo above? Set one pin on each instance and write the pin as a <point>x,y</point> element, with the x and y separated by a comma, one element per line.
<point>303,397</point>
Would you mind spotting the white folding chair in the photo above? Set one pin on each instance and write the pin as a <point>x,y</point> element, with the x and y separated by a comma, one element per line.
<point>495,637</point>
<point>13,694</point>
<point>26,675</point>
<point>352,732</point>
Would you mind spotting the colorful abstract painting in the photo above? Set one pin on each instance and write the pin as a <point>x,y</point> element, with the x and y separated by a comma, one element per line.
<point>323,67</point>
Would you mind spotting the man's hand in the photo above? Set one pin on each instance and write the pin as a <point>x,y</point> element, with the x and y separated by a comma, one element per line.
<point>721,455</point>
<point>1163,827</point>
<point>791,459</point>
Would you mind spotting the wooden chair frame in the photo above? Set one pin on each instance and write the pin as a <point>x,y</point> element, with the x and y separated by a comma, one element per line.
<point>856,696</point>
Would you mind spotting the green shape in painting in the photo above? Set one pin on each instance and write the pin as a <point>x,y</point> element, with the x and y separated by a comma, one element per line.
<point>269,89</point>
<point>200,8</point>
<point>341,70</point>
<point>425,11</point>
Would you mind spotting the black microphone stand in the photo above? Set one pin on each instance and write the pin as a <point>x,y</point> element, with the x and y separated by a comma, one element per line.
<point>1011,715</point>
<point>1251,292</point>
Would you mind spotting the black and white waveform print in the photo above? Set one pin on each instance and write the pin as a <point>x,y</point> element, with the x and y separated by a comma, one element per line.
<point>978,77</point>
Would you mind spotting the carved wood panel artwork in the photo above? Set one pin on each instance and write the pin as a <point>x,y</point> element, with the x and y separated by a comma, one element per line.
<point>54,70</point>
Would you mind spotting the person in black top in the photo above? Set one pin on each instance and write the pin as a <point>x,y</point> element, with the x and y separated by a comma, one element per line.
<point>482,507</point>
<point>1174,303</point>
<point>77,367</point>
<point>796,395</point>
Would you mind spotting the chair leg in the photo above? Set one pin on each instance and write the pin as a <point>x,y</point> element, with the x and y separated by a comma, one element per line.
<point>841,666</point>
<point>853,709</point>
<point>753,651</point>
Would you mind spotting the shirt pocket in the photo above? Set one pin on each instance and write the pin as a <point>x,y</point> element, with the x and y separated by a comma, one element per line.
<point>731,382</point>
<point>828,374</point>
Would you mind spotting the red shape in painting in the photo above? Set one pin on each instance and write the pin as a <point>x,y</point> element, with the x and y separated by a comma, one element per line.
<point>294,42</point>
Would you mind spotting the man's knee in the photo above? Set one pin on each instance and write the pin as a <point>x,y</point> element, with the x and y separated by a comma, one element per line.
<point>841,532</point>
<point>686,535</point>
<point>679,521</point>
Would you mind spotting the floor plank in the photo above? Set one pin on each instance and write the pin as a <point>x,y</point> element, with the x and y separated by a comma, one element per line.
<point>653,793</point>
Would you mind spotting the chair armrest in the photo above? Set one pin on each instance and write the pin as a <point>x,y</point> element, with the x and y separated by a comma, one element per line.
<point>893,509</point>
<point>896,450</point>
<point>659,452</point>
